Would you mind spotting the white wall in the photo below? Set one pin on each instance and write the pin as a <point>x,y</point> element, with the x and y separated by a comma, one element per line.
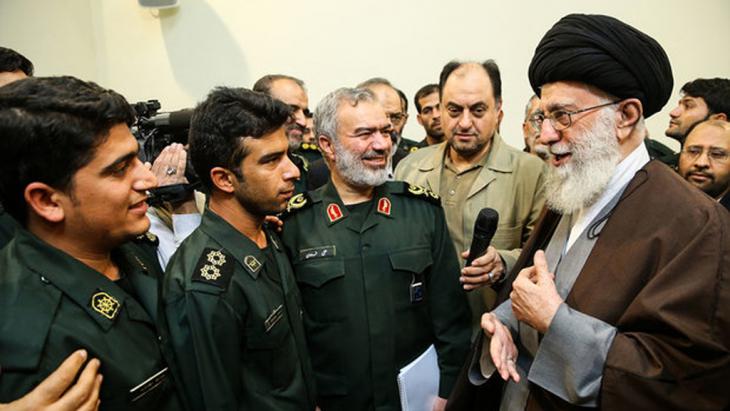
<point>177,56</point>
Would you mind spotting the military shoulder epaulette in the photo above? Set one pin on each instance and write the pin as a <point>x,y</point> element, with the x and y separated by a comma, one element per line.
<point>214,267</point>
<point>296,203</point>
<point>309,147</point>
<point>420,192</point>
<point>147,238</point>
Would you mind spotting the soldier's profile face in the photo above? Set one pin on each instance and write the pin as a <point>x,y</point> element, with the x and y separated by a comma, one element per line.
<point>107,198</point>
<point>268,175</point>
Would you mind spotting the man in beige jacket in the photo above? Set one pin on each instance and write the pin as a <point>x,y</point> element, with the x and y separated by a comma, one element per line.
<point>474,169</point>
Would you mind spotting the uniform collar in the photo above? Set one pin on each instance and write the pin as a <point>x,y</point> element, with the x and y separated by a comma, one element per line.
<point>100,297</point>
<point>334,211</point>
<point>246,252</point>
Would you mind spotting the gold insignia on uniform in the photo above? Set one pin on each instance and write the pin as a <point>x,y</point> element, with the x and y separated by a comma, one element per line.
<point>417,190</point>
<point>413,149</point>
<point>252,263</point>
<point>216,258</point>
<point>298,201</point>
<point>105,304</point>
<point>150,236</point>
<point>210,272</point>
<point>384,206</point>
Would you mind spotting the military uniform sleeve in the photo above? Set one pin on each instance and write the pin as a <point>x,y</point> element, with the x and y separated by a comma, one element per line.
<point>448,306</point>
<point>200,325</point>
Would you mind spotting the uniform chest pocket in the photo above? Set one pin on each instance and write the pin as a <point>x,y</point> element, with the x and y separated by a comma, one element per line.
<point>270,355</point>
<point>414,260</point>
<point>322,285</point>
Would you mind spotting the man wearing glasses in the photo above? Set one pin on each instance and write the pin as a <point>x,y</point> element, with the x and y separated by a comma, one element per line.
<point>705,159</point>
<point>622,294</point>
<point>474,169</point>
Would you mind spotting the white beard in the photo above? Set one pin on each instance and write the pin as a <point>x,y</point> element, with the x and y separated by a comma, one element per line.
<point>579,182</point>
<point>352,169</point>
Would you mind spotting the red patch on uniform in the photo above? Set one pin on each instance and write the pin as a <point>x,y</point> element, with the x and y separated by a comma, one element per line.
<point>384,206</point>
<point>333,212</point>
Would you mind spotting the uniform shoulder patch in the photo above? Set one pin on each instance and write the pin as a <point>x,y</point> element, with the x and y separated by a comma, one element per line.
<point>423,193</point>
<point>214,267</point>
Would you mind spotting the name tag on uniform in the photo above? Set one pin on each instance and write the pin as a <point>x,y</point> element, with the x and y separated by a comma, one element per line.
<point>274,318</point>
<point>148,385</point>
<point>317,252</point>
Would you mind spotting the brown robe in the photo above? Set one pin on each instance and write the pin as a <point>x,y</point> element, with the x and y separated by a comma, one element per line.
<point>659,273</point>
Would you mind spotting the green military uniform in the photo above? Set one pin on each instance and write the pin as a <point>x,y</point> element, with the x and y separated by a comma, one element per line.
<point>52,305</point>
<point>359,271</point>
<point>302,164</point>
<point>235,322</point>
<point>7,227</point>
<point>309,151</point>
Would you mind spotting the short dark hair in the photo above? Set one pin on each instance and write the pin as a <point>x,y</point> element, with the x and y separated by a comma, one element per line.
<point>423,92</point>
<point>489,66</point>
<point>263,85</point>
<point>11,60</point>
<point>50,127</point>
<point>715,92</point>
<point>223,120</point>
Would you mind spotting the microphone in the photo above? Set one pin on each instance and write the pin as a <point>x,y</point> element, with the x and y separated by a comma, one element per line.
<point>484,228</point>
<point>175,119</point>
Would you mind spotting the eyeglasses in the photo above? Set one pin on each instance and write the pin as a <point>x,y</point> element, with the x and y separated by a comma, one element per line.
<point>396,118</point>
<point>561,119</point>
<point>714,154</point>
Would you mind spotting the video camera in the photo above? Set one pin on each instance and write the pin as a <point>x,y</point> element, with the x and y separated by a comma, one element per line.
<point>155,130</point>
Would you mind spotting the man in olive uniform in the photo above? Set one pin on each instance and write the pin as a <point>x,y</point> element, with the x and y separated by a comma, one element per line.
<point>71,278</point>
<point>230,296</point>
<point>375,265</point>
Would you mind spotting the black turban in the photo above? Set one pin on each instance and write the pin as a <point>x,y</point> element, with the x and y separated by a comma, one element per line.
<point>605,53</point>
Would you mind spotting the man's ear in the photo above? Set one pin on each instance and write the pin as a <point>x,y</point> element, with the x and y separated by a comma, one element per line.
<point>719,116</point>
<point>45,201</point>
<point>326,146</point>
<point>629,113</point>
<point>222,179</point>
<point>419,119</point>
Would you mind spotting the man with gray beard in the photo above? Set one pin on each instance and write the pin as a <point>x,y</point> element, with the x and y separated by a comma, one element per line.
<point>375,265</point>
<point>626,307</point>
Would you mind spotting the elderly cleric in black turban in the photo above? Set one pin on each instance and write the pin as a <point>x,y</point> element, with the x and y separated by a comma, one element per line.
<point>606,53</point>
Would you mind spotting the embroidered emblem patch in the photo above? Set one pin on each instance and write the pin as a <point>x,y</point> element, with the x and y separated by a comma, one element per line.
<point>213,267</point>
<point>252,263</point>
<point>333,212</point>
<point>216,258</point>
<point>317,252</point>
<point>105,304</point>
<point>298,201</point>
<point>384,206</point>
<point>210,272</point>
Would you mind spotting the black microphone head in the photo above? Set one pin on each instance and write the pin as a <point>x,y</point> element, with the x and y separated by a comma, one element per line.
<point>486,221</point>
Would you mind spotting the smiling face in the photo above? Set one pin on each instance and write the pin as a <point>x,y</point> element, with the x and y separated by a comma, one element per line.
<point>267,176</point>
<point>470,114</point>
<point>106,200</point>
<point>363,144</point>
<point>704,159</point>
